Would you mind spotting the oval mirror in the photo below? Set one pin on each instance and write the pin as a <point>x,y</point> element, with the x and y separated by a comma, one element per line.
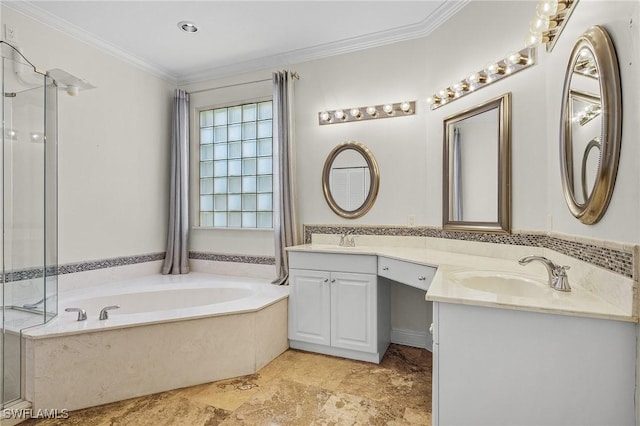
<point>350,180</point>
<point>591,124</point>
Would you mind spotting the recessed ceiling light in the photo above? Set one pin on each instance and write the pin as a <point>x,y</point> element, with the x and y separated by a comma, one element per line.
<point>187,27</point>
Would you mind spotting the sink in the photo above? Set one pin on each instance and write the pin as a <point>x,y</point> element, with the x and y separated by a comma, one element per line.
<point>502,283</point>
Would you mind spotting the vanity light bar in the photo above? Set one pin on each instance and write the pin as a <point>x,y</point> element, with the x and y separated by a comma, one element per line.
<point>371,112</point>
<point>549,21</point>
<point>514,62</point>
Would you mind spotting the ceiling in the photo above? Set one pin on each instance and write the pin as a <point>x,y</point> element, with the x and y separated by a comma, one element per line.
<point>236,36</point>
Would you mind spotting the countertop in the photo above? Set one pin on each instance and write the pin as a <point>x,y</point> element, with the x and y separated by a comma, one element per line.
<point>445,288</point>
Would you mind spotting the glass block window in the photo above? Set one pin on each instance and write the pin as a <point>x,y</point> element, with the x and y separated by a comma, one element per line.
<point>236,171</point>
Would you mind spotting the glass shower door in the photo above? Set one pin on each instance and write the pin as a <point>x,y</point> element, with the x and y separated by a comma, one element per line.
<point>29,210</point>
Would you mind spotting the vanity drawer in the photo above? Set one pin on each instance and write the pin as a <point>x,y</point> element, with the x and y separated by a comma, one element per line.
<point>358,263</point>
<point>409,273</point>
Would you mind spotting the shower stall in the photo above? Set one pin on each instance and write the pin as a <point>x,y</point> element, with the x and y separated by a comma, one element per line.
<point>28,215</point>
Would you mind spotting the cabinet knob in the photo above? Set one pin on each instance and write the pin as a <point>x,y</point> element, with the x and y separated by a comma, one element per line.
<point>385,268</point>
<point>333,281</point>
<point>326,280</point>
<point>422,278</point>
<point>431,329</point>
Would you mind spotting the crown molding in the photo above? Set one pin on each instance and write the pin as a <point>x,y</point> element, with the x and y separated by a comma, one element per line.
<point>407,32</point>
<point>381,38</point>
<point>42,16</point>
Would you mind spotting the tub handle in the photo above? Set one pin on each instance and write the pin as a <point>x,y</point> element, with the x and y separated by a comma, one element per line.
<point>82,314</point>
<point>104,314</point>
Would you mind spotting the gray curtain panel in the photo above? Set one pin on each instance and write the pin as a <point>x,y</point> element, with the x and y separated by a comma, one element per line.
<point>285,222</point>
<point>177,258</point>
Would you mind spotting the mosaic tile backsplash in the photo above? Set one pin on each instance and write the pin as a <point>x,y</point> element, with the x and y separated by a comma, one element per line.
<point>620,261</point>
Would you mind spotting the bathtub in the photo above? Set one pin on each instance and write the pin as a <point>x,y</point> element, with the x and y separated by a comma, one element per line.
<point>169,332</point>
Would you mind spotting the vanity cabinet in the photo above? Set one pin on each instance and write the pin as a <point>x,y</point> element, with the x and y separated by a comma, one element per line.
<point>502,367</point>
<point>337,306</point>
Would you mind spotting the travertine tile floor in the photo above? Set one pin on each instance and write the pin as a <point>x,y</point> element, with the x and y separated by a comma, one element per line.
<point>297,388</point>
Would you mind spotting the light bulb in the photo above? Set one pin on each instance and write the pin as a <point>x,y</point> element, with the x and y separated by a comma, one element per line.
<point>388,108</point>
<point>372,111</point>
<point>477,78</point>
<point>405,107</point>
<point>325,116</point>
<point>547,8</point>
<point>433,100</point>
<point>445,94</point>
<point>355,113</point>
<point>517,58</point>
<point>539,24</point>
<point>72,90</point>
<point>461,87</point>
<point>495,69</point>
<point>533,39</point>
<point>339,114</point>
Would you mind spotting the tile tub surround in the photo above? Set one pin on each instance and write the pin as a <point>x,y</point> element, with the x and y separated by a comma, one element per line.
<point>295,388</point>
<point>616,257</point>
<point>90,369</point>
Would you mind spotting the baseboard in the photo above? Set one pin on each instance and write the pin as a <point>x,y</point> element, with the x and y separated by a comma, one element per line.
<point>417,339</point>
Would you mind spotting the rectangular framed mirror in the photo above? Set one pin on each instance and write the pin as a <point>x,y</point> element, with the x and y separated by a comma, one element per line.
<point>477,168</point>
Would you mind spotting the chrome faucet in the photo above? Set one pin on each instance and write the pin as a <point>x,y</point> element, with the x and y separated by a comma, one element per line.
<point>104,314</point>
<point>82,314</point>
<point>557,274</point>
<point>345,241</point>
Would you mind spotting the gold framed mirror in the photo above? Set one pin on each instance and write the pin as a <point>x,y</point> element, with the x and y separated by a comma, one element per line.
<point>477,168</point>
<point>350,179</point>
<point>591,118</point>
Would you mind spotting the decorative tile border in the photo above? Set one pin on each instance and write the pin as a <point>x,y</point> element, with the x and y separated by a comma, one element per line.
<point>255,260</point>
<point>620,261</point>
<point>72,268</point>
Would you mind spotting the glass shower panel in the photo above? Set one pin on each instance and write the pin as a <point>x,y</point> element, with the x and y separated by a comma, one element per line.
<point>29,209</point>
<point>51,201</point>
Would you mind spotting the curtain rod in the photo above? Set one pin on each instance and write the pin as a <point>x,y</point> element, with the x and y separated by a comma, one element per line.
<point>294,74</point>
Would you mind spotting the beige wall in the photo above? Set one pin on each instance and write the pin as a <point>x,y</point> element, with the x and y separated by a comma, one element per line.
<point>113,148</point>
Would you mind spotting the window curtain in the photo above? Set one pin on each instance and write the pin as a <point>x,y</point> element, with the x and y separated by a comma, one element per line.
<point>285,222</point>
<point>457,171</point>
<point>176,260</point>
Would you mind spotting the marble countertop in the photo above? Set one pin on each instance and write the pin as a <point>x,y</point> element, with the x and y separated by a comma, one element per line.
<point>445,288</point>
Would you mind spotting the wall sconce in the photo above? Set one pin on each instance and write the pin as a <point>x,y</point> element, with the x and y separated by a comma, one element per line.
<point>549,21</point>
<point>371,112</point>
<point>70,83</point>
<point>511,64</point>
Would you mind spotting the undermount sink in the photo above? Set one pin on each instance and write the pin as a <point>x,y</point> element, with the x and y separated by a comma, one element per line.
<point>501,283</point>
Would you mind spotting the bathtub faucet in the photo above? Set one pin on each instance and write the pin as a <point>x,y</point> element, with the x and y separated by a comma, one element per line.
<point>557,274</point>
<point>104,314</point>
<point>82,314</point>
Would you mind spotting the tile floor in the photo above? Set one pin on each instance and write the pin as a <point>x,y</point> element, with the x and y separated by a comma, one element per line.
<point>297,388</point>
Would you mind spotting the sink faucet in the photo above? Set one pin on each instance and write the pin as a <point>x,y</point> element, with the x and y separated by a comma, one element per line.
<point>557,274</point>
<point>345,241</point>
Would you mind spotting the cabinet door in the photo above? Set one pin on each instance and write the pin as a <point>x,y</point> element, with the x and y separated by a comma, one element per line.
<point>309,306</point>
<point>353,311</point>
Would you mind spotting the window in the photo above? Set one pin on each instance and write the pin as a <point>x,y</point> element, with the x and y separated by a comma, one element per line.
<point>236,172</point>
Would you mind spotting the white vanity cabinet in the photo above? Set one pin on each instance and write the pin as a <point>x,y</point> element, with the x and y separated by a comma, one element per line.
<point>504,367</point>
<point>336,305</point>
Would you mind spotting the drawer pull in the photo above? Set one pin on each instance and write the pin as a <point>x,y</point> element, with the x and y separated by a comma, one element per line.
<point>422,278</point>
<point>385,268</point>
<point>431,329</point>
